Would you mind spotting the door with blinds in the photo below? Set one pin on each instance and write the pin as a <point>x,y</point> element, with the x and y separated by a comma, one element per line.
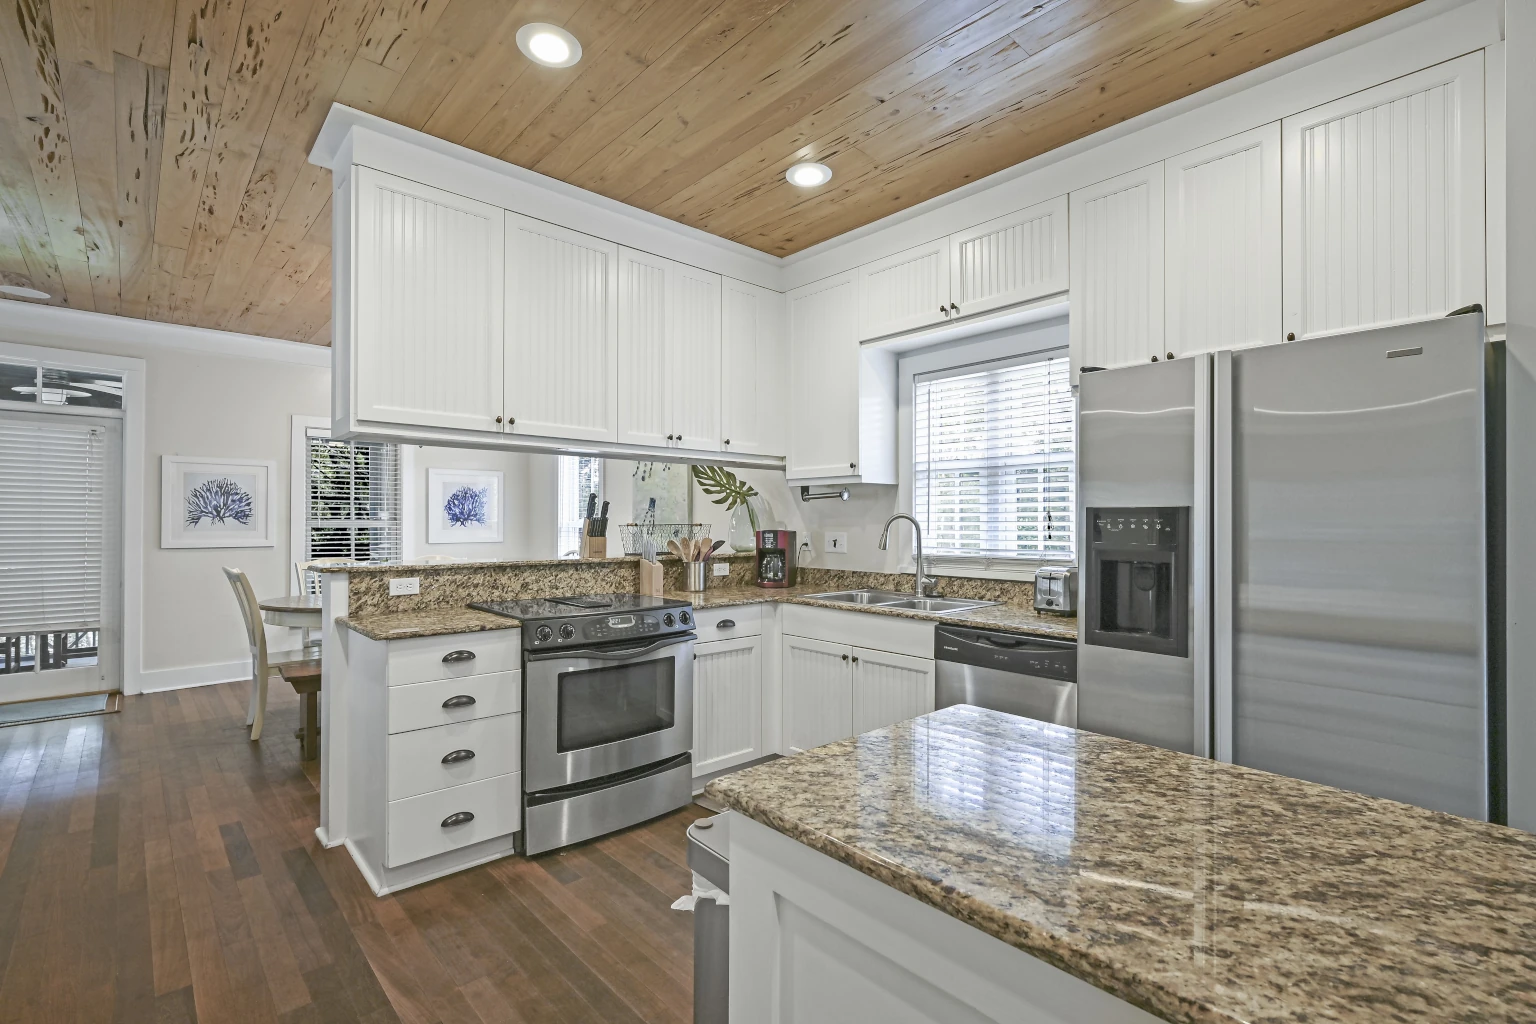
<point>994,453</point>
<point>60,555</point>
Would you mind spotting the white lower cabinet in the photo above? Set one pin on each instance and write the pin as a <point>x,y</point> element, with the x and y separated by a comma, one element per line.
<point>834,690</point>
<point>450,819</point>
<point>727,703</point>
<point>889,688</point>
<point>818,692</point>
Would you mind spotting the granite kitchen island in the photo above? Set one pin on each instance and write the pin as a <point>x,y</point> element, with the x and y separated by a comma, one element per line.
<point>973,866</point>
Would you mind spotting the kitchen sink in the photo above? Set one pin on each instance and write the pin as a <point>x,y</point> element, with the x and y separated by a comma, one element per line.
<point>937,605</point>
<point>871,597</point>
<point>891,599</point>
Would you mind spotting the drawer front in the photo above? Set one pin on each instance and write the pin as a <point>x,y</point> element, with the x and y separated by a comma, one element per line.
<point>893,633</point>
<point>414,827</point>
<point>420,659</point>
<point>744,620</point>
<point>441,702</point>
<point>416,762</point>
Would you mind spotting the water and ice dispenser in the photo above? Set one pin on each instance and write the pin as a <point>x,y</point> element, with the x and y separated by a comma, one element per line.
<point>1136,580</point>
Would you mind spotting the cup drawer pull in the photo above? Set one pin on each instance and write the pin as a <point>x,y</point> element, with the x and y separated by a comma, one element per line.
<point>455,656</point>
<point>726,624</point>
<point>458,818</point>
<point>455,756</point>
<point>463,700</point>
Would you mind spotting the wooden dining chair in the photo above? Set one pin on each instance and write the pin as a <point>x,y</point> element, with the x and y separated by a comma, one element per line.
<point>308,579</point>
<point>263,662</point>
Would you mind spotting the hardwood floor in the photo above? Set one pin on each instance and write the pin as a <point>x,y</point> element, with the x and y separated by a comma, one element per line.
<point>156,866</point>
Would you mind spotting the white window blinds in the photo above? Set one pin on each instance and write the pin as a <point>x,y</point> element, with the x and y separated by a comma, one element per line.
<point>354,500</point>
<point>53,493</point>
<point>995,463</point>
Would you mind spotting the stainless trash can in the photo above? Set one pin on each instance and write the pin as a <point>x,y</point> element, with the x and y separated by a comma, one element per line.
<point>709,855</point>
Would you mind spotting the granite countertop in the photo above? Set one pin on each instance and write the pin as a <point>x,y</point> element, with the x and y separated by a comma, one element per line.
<point>440,621</point>
<point>1200,891</point>
<point>1007,617</point>
<point>425,622</point>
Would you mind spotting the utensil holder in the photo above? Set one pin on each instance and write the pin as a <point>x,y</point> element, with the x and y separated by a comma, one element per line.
<point>594,547</point>
<point>650,578</point>
<point>695,575</point>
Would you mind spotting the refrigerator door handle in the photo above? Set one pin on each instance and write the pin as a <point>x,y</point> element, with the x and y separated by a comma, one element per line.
<point>1200,560</point>
<point>1222,603</point>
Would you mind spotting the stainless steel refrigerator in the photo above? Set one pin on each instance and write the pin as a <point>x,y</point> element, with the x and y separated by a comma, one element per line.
<point>1292,559</point>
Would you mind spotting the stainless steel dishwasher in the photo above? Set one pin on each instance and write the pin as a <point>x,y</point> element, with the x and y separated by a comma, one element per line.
<point>1023,675</point>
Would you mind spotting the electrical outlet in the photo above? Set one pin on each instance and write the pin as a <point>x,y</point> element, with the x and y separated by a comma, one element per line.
<point>403,586</point>
<point>836,543</point>
<point>722,568</point>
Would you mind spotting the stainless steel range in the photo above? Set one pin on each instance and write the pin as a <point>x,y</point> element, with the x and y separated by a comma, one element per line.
<point>607,713</point>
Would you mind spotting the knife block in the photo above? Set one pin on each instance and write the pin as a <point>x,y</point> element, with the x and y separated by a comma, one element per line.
<point>650,579</point>
<point>594,547</point>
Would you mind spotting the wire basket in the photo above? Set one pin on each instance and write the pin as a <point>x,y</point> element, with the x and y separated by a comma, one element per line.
<point>633,534</point>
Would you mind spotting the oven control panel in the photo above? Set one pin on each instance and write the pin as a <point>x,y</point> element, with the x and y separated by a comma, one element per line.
<point>620,627</point>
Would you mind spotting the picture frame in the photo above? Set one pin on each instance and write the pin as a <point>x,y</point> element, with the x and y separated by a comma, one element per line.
<point>464,506</point>
<point>213,502</point>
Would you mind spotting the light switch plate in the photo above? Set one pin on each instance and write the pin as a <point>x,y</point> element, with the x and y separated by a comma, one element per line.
<point>836,543</point>
<point>722,568</point>
<point>404,586</point>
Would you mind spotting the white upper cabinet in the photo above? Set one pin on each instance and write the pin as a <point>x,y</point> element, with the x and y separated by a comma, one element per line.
<point>643,414</point>
<point>427,302</point>
<point>753,363</point>
<point>1009,260</point>
<point>1384,217</point>
<point>693,357</point>
<point>1223,228</point>
<point>562,332</point>
<point>842,423</point>
<point>904,291</point>
<point>669,345</point>
<point>1117,271</point>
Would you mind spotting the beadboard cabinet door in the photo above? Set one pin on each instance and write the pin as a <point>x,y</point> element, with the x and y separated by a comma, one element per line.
<point>1117,271</point>
<point>1015,258</point>
<point>644,416</point>
<point>562,332</point>
<point>727,703</point>
<point>889,688</point>
<point>818,692</point>
<point>904,291</point>
<point>428,303</point>
<point>1223,236</point>
<point>824,379</point>
<point>1384,204</point>
<point>754,360</point>
<point>693,357</point>
<point>669,353</point>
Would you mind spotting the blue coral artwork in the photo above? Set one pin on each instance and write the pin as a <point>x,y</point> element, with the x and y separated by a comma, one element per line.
<point>219,501</point>
<point>464,506</point>
<point>215,503</point>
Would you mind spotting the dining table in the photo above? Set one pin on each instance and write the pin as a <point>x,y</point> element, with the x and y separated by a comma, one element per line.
<point>298,611</point>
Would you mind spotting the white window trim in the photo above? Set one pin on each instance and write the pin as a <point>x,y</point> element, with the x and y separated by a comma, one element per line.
<point>1009,343</point>
<point>132,371</point>
<point>298,489</point>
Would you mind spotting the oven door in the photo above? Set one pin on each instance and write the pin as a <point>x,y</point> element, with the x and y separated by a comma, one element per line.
<point>595,711</point>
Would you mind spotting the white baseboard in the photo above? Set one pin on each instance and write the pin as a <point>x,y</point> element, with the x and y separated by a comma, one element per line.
<point>157,680</point>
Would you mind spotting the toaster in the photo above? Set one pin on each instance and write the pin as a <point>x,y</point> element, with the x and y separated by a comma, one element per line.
<point>1056,589</point>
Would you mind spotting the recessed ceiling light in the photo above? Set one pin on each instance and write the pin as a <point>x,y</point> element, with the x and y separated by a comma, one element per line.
<point>549,45</point>
<point>21,291</point>
<point>809,175</point>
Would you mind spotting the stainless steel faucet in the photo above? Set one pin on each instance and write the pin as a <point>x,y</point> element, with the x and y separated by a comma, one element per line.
<point>922,583</point>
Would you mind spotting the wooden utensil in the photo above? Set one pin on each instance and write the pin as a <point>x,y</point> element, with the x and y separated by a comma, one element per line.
<point>673,547</point>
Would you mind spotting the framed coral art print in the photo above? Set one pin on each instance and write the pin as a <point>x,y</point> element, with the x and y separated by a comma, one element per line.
<point>216,503</point>
<point>464,506</point>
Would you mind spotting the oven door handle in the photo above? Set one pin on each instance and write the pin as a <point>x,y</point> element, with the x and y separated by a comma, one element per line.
<point>610,653</point>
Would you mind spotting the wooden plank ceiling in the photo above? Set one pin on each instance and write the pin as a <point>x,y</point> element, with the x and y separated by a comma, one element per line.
<point>153,152</point>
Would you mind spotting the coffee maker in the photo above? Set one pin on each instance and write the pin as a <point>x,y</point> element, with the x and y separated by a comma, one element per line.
<point>775,558</point>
